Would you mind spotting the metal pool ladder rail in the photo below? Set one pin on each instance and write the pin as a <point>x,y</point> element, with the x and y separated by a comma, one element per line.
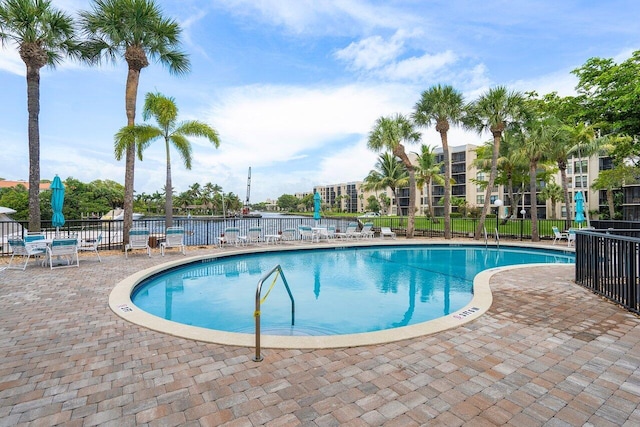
<point>256,314</point>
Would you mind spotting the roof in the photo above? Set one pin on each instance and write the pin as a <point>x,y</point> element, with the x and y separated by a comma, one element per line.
<point>11,184</point>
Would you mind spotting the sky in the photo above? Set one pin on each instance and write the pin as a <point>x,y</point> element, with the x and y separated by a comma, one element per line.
<point>293,87</point>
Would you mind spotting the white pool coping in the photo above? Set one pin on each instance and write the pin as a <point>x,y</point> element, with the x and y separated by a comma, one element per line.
<point>121,304</point>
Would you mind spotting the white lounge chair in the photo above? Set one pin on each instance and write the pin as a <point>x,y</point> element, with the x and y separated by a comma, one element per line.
<point>59,248</point>
<point>288,235</point>
<point>231,236</point>
<point>557,235</point>
<point>571,237</point>
<point>138,239</point>
<point>386,232</point>
<point>254,235</point>
<point>20,248</point>
<point>90,245</point>
<point>350,232</point>
<point>174,238</point>
<point>367,231</point>
<point>306,233</point>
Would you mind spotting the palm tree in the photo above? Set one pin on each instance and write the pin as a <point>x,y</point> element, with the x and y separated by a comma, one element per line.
<point>427,173</point>
<point>554,193</point>
<point>165,112</point>
<point>442,106</point>
<point>44,36</point>
<point>495,111</point>
<point>388,134</point>
<point>535,146</point>
<point>389,173</point>
<point>136,31</point>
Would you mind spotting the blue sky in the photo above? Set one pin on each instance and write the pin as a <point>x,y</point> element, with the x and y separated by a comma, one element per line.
<point>294,86</point>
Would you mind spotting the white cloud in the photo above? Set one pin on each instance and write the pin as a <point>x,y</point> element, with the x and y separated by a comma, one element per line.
<point>10,60</point>
<point>370,53</point>
<point>423,68</point>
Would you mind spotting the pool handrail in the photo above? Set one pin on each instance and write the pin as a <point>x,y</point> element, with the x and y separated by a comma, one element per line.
<point>256,314</point>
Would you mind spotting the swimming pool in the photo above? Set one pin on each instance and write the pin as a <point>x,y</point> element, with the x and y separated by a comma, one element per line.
<point>344,290</point>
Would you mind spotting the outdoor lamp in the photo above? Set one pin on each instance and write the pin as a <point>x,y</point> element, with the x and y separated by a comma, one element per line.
<point>498,203</point>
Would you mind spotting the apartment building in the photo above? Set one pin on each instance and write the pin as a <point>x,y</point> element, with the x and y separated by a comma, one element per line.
<point>350,197</point>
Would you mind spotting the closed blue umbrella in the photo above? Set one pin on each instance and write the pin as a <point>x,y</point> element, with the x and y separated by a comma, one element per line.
<point>579,199</point>
<point>316,206</point>
<point>57,201</point>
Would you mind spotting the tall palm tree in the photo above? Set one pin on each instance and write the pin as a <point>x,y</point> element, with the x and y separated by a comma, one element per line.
<point>136,31</point>
<point>165,112</point>
<point>535,146</point>
<point>44,36</point>
<point>389,173</point>
<point>442,106</point>
<point>388,134</point>
<point>495,110</point>
<point>428,173</point>
<point>554,193</point>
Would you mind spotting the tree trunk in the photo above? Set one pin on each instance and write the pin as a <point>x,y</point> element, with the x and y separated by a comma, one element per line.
<point>33,108</point>
<point>533,167</point>
<point>400,152</point>
<point>430,200</point>
<point>447,184</point>
<point>612,210</point>
<point>168,190</point>
<point>565,189</point>
<point>497,137</point>
<point>131,94</point>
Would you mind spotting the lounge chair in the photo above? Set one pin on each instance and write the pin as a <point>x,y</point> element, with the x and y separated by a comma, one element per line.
<point>571,237</point>
<point>557,235</point>
<point>367,231</point>
<point>254,235</point>
<point>59,248</point>
<point>386,232</point>
<point>350,232</point>
<point>288,235</point>
<point>174,238</point>
<point>138,239</point>
<point>20,248</point>
<point>90,245</point>
<point>306,233</point>
<point>231,236</point>
<point>326,232</point>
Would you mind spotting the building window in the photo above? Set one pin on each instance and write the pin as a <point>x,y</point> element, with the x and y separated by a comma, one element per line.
<point>480,199</point>
<point>576,166</point>
<point>581,181</point>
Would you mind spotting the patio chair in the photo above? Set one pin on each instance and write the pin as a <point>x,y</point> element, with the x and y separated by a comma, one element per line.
<point>367,231</point>
<point>231,236</point>
<point>306,233</point>
<point>254,235</point>
<point>571,237</point>
<point>557,235</point>
<point>386,232</point>
<point>90,245</point>
<point>174,238</point>
<point>138,239</point>
<point>288,235</point>
<point>350,232</point>
<point>20,248</point>
<point>59,248</point>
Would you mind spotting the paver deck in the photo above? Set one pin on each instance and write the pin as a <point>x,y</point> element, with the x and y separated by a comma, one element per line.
<point>548,352</point>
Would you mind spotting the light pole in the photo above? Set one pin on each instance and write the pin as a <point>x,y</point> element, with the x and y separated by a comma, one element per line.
<point>522,212</point>
<point>498,203</point>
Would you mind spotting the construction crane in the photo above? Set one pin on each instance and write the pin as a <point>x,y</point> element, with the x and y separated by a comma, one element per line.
<point>245,209</point>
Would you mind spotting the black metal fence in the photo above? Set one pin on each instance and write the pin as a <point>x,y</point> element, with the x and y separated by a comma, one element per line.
<point>608,262</point>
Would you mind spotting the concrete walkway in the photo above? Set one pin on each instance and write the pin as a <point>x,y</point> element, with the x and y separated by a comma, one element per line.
<point>547,353</point>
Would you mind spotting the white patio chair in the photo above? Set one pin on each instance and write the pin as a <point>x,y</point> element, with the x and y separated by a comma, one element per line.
<point>557,235</point>
<point>63,248</point>
<point>20,248</point>
<point>367,231</point>
<point>174,238</point>
<point>571,237</point>
<point>138,239</point>
<point>386,232</point>
<point>350,232</point>
<point>306,233</point>
<point>90,245</point>
<point>254,235</point>
<point>231,236</point>
<point>288,235</point>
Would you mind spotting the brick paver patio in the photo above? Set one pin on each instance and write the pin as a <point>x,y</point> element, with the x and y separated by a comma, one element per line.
<point>547,353</point>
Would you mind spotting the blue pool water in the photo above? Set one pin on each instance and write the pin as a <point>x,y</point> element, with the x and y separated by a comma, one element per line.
<point>336,291</point>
